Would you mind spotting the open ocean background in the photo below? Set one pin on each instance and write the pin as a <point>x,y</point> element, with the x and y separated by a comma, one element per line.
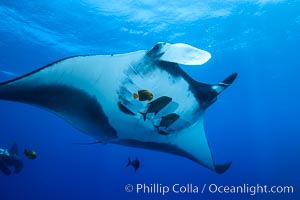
<point>254,123</point>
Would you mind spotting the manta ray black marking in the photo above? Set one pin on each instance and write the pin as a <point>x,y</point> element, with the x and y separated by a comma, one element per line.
<point>95,94</point>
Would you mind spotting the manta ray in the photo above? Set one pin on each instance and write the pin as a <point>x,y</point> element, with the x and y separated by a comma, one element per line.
<point>94,93</point>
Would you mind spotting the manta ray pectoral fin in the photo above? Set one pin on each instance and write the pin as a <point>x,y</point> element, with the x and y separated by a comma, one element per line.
<point>192,143</point>
<point>179,53</point>
<point>207,94</point>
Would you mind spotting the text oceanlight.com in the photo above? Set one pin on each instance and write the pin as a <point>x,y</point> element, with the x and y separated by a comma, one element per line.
<point>163,189</point>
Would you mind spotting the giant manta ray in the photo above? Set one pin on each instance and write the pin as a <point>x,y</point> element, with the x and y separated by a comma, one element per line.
<point>94,93</point>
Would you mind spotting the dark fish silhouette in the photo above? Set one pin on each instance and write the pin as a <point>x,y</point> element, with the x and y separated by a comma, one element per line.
<point>168,120</point>
<point>135,163</point>
<point>124,109</point>
<point>157,105</point>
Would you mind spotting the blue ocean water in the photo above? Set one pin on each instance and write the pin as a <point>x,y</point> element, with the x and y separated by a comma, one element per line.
<point>254,123</point>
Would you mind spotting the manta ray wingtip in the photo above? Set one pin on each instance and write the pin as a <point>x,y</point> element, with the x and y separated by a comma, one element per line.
<point>229,80</point>
<point>220,169</point>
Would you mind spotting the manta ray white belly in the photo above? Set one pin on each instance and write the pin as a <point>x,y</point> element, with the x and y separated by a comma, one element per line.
<point>95,94</point>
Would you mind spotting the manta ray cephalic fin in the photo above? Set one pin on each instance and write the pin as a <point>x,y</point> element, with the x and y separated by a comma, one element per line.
<point>179,53</point>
